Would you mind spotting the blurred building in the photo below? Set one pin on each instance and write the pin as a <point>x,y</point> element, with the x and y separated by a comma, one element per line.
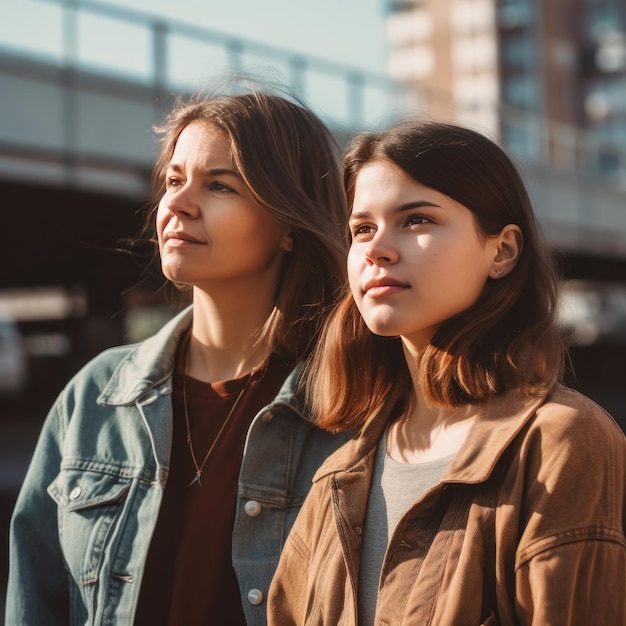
<point>447,48</point>
<point>494,62</point>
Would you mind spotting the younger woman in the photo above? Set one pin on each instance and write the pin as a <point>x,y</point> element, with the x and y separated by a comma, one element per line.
<point>480,490</point>
<point>168,473</point>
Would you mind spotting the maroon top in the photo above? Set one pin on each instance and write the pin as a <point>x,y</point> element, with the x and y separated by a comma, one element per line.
<point>189,577</point>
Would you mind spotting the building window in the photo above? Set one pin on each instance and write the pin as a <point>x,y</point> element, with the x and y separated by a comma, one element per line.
<point>521,91</point>
<point>515,13</point>
<point>518,51</point>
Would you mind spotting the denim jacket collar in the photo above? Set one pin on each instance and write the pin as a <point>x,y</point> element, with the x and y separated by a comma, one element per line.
<point>151,364</point>
<point>148,366</point>
<point>289,396</point>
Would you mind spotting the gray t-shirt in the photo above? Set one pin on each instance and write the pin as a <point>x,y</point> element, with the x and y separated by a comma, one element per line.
<point>395,487</point>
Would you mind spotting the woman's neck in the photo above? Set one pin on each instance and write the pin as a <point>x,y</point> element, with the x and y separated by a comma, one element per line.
<point>430,431</point>
<point>224,341</point>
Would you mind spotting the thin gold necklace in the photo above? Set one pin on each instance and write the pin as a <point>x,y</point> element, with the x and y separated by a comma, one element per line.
<point>200,468</point>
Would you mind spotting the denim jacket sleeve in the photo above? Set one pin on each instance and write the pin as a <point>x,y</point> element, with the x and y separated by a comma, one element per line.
<point>36,565</point>
<point>84,517</point>
<point>86,510</point>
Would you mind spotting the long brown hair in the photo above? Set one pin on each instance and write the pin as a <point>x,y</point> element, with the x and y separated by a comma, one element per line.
<point>507,339</point>
<point>290,163</point>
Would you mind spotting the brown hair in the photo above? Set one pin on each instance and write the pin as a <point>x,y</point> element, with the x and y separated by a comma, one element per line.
<point>507,339</point>
<point>289,161</point>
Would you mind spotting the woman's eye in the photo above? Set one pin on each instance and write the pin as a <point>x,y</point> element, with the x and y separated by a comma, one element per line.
<point>172,182</point>
<point>361,229</point>
<point>416,220</point>
<point>217,186</point>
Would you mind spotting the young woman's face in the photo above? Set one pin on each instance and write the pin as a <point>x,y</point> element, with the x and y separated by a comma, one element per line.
<point>416,257</point>
<point>211,231</point>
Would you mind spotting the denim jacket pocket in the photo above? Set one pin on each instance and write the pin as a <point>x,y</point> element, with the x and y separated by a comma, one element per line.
<point>89,503</point>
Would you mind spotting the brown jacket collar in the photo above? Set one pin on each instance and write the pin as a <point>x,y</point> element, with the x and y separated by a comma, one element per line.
<point>497,424</point>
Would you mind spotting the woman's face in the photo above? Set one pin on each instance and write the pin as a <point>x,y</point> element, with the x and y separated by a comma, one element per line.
<point>416,257</point>
<point>211,232</point>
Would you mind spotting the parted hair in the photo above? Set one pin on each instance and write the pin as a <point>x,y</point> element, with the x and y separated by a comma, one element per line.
<point>508,338</point>
<point>290,163</point>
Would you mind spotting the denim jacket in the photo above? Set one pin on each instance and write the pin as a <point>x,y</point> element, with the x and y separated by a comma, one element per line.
<point>85,515</point>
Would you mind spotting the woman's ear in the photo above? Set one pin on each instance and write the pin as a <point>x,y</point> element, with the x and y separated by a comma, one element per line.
<point>509,244</point>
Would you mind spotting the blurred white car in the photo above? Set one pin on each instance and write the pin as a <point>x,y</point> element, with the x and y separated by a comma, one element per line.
<point>13,361</point>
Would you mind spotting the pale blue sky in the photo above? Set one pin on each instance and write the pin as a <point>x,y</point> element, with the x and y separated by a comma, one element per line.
<point>350,31</point>
<point>345,30</point>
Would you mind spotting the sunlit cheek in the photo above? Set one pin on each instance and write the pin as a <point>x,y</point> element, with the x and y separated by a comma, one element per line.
<point>162,217</point>
<point>471,283</point>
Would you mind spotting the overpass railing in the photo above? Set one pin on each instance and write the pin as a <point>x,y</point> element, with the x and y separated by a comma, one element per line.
<point>90,38</point>
<point>175,56</point>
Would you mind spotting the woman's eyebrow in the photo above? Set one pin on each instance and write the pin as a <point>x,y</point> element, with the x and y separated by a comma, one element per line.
<point>418,204</point>
<point>212,171</point>
<point>223,171</point>
<point>409,206</point>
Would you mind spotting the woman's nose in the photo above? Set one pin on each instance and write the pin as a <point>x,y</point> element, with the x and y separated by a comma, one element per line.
<point>182,202</point>
<point>380,250</point>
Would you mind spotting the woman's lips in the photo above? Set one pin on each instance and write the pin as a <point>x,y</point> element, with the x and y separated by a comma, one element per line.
<point>383,286</point>
<point>180,238</point>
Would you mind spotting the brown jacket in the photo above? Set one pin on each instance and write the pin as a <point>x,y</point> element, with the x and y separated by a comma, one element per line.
<point>526,527</point>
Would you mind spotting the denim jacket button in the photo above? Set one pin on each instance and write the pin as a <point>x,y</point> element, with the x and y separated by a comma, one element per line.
<point>252,508</point>
<point>75,493</point>
<point>255,597</point>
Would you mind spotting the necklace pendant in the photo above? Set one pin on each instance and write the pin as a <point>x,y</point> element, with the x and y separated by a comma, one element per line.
<point>196,479</point>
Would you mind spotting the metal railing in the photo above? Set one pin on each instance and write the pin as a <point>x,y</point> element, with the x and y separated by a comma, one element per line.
<point>348,98</point>
<point>342,94</point>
